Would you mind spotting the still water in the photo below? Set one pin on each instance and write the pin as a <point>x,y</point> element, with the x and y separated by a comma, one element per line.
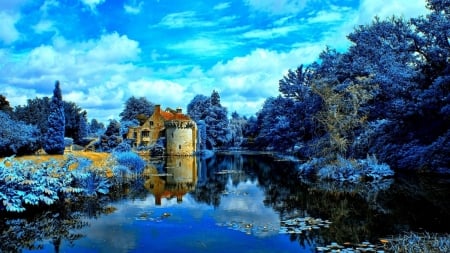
<point>231,203</point>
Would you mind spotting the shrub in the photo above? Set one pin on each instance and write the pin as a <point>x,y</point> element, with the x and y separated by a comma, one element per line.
<point>16,137</point>
<point>131,160</point>
<point>24,183</point>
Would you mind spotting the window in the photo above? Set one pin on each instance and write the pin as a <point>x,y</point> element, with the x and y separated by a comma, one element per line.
<point>145,133</point>
<point>179,146</point>
<point>151,123</point>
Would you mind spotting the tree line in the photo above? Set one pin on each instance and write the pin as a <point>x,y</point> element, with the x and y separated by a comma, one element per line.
<point>386,96</point>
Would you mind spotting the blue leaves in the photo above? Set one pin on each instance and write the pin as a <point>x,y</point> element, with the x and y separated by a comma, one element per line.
<point>24,183</point>
<point>16,137</point>
<point>131,160</point>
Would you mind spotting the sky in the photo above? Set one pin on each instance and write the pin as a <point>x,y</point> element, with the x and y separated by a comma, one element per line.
<point>105,51</point>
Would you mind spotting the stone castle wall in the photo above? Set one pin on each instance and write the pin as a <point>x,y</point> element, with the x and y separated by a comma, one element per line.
<point>181,137</point>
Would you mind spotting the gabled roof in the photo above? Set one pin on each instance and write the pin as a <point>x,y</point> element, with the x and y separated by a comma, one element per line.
<point>170,114</point>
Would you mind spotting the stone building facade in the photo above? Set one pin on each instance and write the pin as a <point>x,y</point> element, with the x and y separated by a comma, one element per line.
<point>179,130</point>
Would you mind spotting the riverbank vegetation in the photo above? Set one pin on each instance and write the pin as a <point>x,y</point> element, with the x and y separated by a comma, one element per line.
<point>386,97</point>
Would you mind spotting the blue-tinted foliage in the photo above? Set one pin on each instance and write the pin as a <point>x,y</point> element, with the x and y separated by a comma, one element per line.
<point>125,125</point>
<point>54,139</point>
<point>135,108</point>
<point>16,137</point>
<point>111,138</point>
<point>387,95</point>
<point>24,183</point>
<point>96,128</point>
<point>131,160</point>
<point>215,116</point>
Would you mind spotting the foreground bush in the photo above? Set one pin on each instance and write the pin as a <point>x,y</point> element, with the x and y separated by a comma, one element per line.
<point>25,183</point>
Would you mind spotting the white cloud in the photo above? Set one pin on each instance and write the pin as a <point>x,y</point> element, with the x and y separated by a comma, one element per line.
<point>184,19</point>
<point>8,30</point>
<point>325,17</point>
<point>133,7</point>
<point>277,7</point>
<point>222,6</point>
<point>165,92</point>
<point>92,4</point>
<point>201,46</point>
<point>92,73</point>
<point>405,8</point>
<point>114,48</point>
<point>270,33</point>
<point>245,82</point>
<point>47,5</point>
<point>44,26</point>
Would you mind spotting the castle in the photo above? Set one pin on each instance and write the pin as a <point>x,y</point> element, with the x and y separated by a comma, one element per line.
<point>179,130</point>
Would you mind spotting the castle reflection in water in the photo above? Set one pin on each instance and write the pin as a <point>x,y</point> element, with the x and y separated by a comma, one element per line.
<point>173,177</point>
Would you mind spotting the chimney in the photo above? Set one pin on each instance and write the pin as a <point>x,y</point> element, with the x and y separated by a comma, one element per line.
<point>157,109</point>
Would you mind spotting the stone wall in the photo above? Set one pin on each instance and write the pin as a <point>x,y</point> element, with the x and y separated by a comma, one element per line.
<point>181,137</point>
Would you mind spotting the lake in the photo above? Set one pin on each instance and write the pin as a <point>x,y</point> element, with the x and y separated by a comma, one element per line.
<point>231,203</point>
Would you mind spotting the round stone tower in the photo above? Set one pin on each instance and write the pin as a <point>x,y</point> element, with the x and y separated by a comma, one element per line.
<point>181,135</point>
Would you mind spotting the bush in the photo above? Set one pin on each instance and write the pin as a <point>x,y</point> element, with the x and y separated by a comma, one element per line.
<point>131,160</point>
<point>16,137</point>
<point>24,183</point>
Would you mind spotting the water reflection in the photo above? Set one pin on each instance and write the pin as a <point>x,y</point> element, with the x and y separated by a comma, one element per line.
<point>179,178</point>
<point>229,202</point>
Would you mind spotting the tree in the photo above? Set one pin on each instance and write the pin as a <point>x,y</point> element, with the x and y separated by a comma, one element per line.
<point>17,137</point>
<point>198,108</point>
<point>135,108</point>
<point>295,84</point>
<point>210,110</point>
<point>4,105</point>
<point>96,128</point>
<point>111,138</point>
<point>83,128</point>
<point>54,140</point>
<point>35,112</point>
<point>237,125</point>
<point>215,98</point>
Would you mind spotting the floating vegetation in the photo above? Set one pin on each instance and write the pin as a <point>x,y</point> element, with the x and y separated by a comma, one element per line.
<point>299,225</point>
<point>149,216</point>
<point>224,172</point>
<point>250,228</point>
<point>237,193</point>
<point>349,247</point>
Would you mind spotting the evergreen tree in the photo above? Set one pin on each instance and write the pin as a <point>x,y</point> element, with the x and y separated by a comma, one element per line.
<point>54,141</point>
<point>215,98</point>
<point>83,128</point>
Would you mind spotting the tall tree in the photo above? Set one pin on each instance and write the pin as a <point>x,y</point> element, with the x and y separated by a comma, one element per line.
<point>135,108</point>
<point>197,109</point>
<point>214,115</point>
<point>54,140</point>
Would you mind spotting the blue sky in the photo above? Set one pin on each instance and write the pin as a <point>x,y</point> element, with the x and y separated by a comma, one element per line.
<point>105,51</point>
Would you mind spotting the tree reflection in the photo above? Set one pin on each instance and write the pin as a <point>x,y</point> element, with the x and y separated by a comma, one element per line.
<point>358,212</point>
